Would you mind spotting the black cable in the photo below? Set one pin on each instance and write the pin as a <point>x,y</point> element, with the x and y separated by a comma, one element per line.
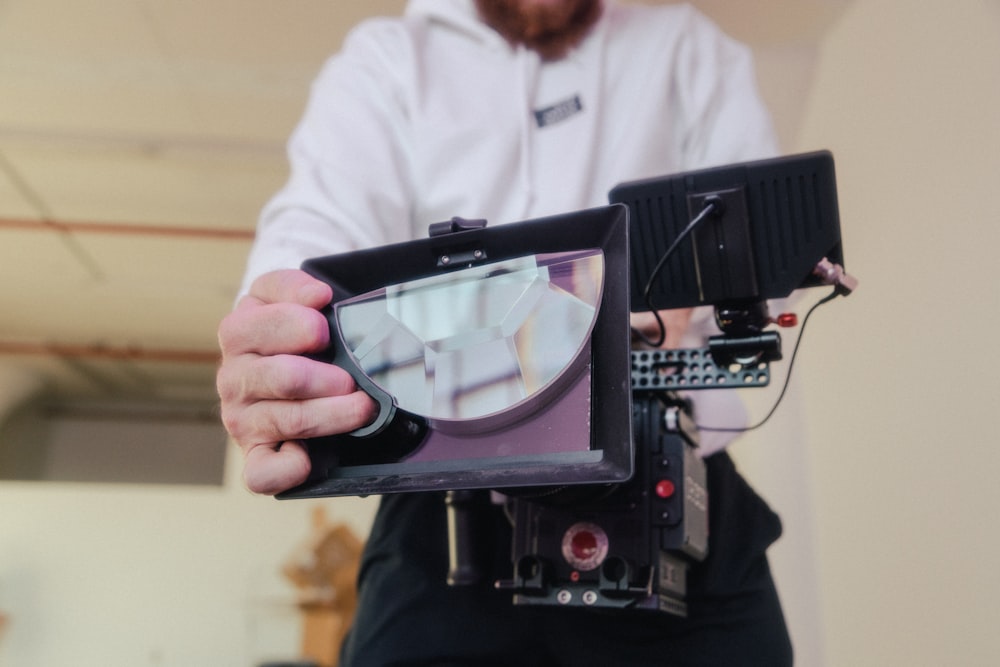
<point>711,204</point>
<point>788,376</point>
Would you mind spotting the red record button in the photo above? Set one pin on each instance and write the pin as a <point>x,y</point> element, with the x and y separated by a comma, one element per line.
<point>585,546</point>
<point>665,488</point>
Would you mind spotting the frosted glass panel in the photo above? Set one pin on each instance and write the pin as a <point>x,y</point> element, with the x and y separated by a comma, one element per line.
<point>477,341</point>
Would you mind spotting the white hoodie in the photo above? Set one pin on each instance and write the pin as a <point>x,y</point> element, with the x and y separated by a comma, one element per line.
<point>433,114</point>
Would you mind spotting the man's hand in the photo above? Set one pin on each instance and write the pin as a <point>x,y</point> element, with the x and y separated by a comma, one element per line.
<point>272,397</point>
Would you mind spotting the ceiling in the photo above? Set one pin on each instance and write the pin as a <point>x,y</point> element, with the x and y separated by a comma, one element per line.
<point>139,139</point>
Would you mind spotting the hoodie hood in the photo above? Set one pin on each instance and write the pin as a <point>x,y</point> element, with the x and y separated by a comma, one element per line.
<point>460,15</point>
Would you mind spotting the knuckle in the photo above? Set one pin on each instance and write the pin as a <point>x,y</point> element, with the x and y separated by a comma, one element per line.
<point>234,424</point>
<point>294,381</point>
<point>296,421</point>
<point>225,386</point>
<point>229,332</point>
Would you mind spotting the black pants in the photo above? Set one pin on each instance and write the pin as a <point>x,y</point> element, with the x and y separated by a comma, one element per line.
<point>407,615</point>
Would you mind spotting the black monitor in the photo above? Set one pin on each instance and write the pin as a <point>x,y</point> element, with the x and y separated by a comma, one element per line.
<point>775,220</point>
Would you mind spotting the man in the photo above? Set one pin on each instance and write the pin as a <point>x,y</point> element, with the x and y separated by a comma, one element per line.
<point>505,110</point>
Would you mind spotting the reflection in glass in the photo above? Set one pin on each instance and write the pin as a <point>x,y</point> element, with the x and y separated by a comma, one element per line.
<point>470,343</point>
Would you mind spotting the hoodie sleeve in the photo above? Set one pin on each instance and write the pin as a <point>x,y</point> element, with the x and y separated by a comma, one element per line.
<point>349,185</point>
<point>724,119</point>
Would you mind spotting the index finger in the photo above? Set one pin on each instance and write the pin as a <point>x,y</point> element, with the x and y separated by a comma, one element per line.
<point>292,286</point>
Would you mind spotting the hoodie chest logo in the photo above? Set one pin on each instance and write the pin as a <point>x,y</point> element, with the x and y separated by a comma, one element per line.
<point>558,112</point>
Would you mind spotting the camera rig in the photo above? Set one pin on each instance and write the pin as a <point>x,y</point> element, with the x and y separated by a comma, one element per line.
<point>630,546</point>
<point>501,358</point>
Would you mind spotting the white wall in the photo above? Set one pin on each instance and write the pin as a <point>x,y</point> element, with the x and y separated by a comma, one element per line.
<point>900,382</point>
<point>98,575</point>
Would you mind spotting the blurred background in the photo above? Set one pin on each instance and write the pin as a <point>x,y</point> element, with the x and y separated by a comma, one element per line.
<point>139,139</point>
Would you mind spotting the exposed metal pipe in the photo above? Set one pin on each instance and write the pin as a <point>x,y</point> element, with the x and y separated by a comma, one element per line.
<point>121,228</point>
<point>116,353</point>
<point>102,351</point>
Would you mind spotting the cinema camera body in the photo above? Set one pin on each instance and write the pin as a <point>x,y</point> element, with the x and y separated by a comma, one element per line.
<point>502,359</point>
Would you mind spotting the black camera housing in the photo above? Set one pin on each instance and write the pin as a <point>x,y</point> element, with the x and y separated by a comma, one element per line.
<point>636,513</point>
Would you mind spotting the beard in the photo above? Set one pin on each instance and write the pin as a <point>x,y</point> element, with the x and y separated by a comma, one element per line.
<point>550,28</point>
